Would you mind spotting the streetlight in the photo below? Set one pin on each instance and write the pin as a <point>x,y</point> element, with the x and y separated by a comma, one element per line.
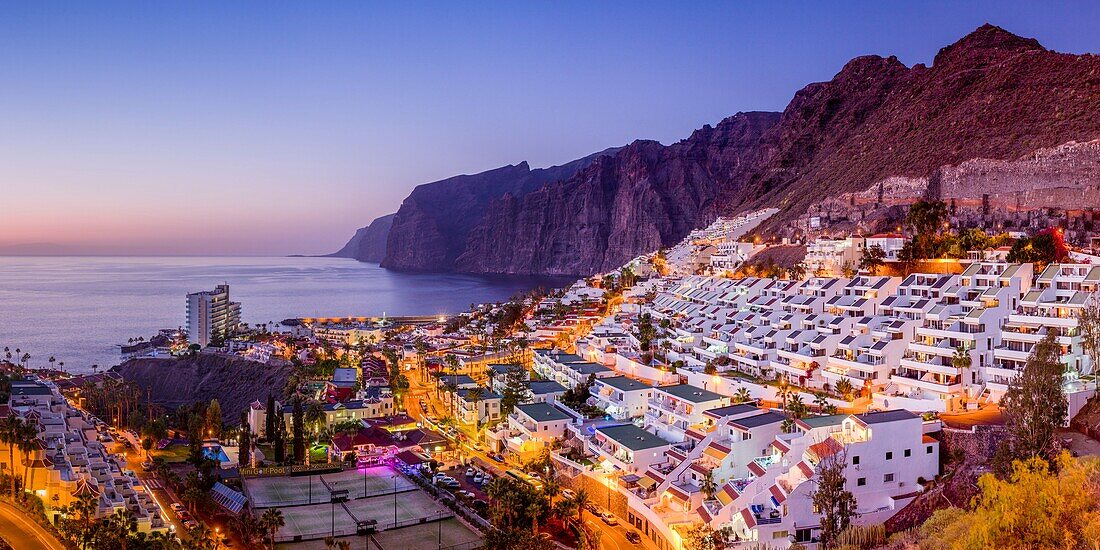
<point>395,501</point>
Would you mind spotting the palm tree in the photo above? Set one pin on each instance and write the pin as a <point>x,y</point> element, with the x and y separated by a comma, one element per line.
<point>10,428</point>
<point>580,500</point>
<point>709,487</point>
<point>272,520</point>
<point>820,400</point>
<point>315,415</point>
<point>475,395</point>
<point>26,438</point>
<point>844,388</point>
<point>551,488</point>
<point>246,526</point>
<point>742,395</point>
<point>961,360</point>
<point>452,389</point>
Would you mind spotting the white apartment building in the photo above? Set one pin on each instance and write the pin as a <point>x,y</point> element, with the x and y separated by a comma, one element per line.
<point>483,410</point>
<point>531,427</point>
<point>620,397</point>
<point>886,453</point>
<point>832,257</point>
<point>211,316</point>
<point>873,348</point>
<point>674,409</point>
<point>890,243</point>
<point>1051,305</point>
<point>627,448</point>
<point>966,319</point>
<point>70,459</point>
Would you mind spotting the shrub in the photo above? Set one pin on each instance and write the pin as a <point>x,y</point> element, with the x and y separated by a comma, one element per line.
<point>862,537</point>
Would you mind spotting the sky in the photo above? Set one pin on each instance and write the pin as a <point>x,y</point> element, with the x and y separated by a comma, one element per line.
<point>270,128</point>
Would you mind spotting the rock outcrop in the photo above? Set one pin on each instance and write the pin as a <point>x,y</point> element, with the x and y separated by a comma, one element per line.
<point>233,381</point>
<point>991,95</point>
<point>432,227</point>
<point>369,243</point>
<point>645,196</point>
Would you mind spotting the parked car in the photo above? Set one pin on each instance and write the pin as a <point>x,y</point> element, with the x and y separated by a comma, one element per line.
<point>466,494</point>
<point>478,477</point>
<point>191,524</point>
<point>470,472</point>
<point>497,457</point>
<point>146,466</point>
<point>609,519</point>
<point>633,537</point>
<point>568,494</point>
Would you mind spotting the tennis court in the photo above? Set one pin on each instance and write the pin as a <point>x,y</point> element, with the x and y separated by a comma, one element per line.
<point>412,506</point>
<point>268,492</point>
<point>366,482</point>
<point>453,534</point>
<point>314,522</point>
<point>449,533</point>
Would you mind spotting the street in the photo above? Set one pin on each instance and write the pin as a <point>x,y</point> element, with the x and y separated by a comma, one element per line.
<point>22,532</point>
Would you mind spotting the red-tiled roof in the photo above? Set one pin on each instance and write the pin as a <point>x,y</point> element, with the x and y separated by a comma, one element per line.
<point>750,521</point>
<point>826,448</point>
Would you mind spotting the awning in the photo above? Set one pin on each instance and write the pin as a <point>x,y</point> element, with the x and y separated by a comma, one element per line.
<point>646,482</point>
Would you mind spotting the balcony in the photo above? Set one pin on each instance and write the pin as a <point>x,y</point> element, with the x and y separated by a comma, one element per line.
<point>927,381</point>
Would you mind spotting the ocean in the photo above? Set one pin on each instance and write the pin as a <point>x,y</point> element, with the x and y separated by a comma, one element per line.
<point>78,309</point>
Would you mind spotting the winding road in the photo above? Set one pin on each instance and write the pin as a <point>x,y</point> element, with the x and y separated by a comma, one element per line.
<point>22,532</point>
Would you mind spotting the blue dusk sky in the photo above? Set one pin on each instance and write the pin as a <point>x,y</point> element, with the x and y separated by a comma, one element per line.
<point>277,128</point>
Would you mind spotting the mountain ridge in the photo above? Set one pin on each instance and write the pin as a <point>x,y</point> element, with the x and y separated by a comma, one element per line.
<point>991,95</point>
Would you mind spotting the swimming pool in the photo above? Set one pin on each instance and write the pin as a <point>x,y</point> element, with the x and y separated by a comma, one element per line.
<point>215,452</point>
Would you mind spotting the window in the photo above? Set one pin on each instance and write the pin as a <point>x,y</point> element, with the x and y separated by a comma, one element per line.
<point>855,460</point>
<point>861,482</point>
<point>928,450</point>
<point>888,478</point>
<point>889,455</point>
<point>908,453</point>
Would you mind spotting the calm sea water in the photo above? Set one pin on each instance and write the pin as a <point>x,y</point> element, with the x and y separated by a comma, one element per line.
<point>79,309</point>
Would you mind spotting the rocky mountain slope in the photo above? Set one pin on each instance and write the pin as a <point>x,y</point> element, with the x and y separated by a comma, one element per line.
<point>432,226</point>
<point>644,197</point>
<point>369,243</point>
<point>233,381</point>
<point>992,95</point>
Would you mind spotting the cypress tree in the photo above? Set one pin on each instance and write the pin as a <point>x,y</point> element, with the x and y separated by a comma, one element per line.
<point>299,431</point>
<point>244,442</point>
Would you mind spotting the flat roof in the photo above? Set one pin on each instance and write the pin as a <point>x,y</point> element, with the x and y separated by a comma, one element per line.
<point>542,387</point>
<point>823,421</point>
<point>588,368</point>
<point>731,410</point>
<point>763,419</point>
<point>880,417</point>
<point>632,437</point>
<point>623,383</point>
<point>691,393</point>
<point>542,412</point>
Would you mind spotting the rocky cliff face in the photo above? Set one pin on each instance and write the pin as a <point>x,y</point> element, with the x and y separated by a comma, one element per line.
<point>431,228</point>
<point>992,95</point>
<point>233,381</point>
<point>644,197</point>
<point>369,243</point>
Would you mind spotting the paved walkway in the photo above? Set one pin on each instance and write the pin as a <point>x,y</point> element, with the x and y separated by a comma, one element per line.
<point>24,533</point>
